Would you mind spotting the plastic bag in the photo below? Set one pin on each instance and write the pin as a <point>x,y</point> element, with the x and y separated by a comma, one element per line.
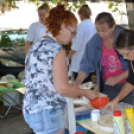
<point>120,106</point>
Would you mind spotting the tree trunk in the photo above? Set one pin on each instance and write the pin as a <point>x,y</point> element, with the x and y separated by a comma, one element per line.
<point>130,14</point>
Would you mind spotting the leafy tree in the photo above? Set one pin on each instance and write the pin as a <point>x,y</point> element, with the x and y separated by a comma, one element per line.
<point>72,6</point>
<point>10,3</point>
<point>114,7</point>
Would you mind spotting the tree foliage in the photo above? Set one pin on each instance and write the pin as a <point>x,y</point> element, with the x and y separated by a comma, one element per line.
<point>71,6</point>
<point>114,7</point>
<point>10,3</point>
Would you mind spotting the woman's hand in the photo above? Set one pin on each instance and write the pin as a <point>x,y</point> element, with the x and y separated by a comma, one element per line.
<point>116,79</point>
<point>111,105</point>
<point>112,81</point>
<point>76,83</point>
<point>80,78</point>
<point>90,95</point>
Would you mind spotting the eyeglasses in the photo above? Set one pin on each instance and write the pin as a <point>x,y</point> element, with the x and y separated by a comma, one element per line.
<point>127,54</point>
<point>104,31</point>
<point>74,33</point>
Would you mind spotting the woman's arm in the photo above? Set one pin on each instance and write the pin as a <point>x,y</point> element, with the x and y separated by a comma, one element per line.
<point>80,78</point>
<point>61,81</point>
<point>30,36</point>
<point>116,79</point>
<point>123,75</point>
<point>127,89</point>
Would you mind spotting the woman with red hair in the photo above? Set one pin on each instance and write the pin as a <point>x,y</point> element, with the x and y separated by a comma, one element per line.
<point>47,75</point>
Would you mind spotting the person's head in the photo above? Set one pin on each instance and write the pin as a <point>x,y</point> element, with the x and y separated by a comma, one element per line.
<point>61,23</point>
<point>84,12</point>
<point>124,44</point>
<point>42,12</point>
<point>105,25</point>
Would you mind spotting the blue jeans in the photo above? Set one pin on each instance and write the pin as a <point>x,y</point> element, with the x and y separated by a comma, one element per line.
<point>49,121</point>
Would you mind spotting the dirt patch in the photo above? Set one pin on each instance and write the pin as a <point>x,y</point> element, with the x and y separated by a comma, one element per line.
<point>14,123</point>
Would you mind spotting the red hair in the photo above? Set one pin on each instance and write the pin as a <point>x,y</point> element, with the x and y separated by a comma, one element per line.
<point>57,16</point>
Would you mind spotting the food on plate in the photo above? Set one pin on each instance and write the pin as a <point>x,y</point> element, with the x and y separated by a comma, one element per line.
<point>106,120</point>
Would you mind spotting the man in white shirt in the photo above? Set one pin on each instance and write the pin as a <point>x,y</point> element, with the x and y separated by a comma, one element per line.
<point>37,30</point>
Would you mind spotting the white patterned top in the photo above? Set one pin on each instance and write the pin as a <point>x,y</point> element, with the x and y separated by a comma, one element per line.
<point>40,92</point>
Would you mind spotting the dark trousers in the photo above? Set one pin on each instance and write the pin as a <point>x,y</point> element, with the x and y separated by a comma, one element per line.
<point>113,91</point>
<point>74,76</point>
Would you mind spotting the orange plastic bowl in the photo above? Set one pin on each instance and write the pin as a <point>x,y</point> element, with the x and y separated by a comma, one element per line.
<point>99,102</point>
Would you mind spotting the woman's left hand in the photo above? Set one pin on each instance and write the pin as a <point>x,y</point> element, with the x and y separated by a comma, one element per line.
<point>112,81</point>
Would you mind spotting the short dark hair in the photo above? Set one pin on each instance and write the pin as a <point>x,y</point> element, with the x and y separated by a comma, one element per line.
<point>125,40</point>
<point>45,7</point>
<point>105,17</point>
